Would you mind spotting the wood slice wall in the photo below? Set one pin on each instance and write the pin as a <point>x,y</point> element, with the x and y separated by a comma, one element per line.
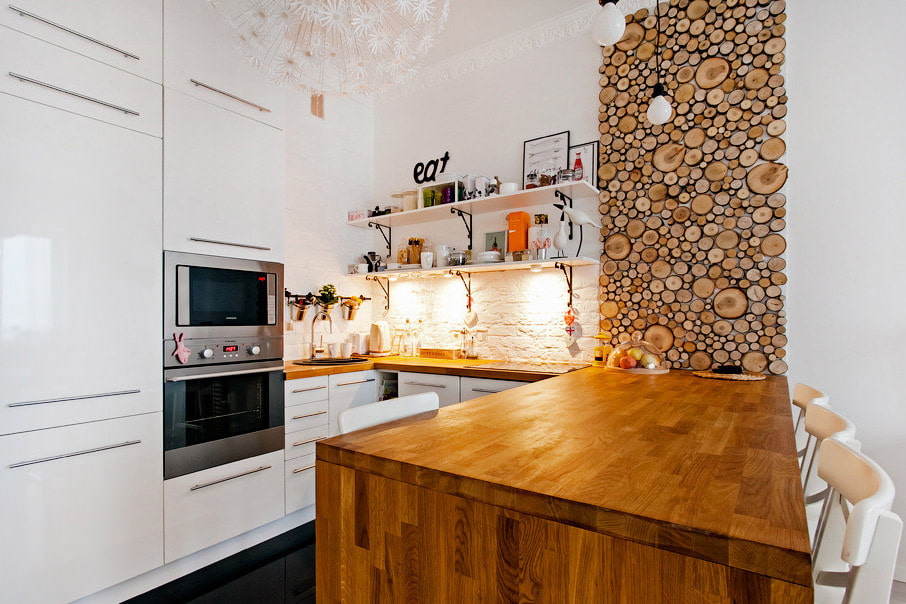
<point>692,211</point>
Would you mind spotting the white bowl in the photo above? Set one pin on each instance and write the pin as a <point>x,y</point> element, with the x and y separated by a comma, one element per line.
<point>488,256</point>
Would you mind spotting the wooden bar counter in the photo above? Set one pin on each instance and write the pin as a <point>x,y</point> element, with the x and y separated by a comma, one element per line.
<point>594,486</point>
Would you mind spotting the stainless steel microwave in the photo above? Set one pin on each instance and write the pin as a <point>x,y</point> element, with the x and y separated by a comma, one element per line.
<point>215,297</point>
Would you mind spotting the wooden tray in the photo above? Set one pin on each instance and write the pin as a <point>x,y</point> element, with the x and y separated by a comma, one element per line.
<point>745,376</point>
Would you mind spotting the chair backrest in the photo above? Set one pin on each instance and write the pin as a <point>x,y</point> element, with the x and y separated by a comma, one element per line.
<point>365,416</point>
<point>821,422</point>
<point>863,484</point>
<point>804,394</point>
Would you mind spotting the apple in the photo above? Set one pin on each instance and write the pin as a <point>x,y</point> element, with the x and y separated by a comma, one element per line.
<point>628,363</point>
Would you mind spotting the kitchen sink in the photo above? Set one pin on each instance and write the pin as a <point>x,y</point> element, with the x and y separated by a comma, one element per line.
<point>349,361</point>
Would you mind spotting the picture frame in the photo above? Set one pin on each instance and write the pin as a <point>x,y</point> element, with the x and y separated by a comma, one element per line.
<point>497,236</point>
<point>545,152</point>
<point>590,160</point>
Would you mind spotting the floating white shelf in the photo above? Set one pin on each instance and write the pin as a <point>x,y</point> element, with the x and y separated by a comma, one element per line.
<point>491,267</point>
<point>483,205</point>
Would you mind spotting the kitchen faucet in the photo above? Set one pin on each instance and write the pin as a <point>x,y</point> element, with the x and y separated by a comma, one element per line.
<point>321,314</point>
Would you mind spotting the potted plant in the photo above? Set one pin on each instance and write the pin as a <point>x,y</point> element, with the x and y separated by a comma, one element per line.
<point>327,296</point>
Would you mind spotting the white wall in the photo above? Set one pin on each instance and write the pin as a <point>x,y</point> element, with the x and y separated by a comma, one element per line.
<point>329,170</point>
<point>847,212</point>
<point>482,119</point>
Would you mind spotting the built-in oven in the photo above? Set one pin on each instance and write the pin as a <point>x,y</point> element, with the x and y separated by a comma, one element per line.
<point>222,358</point>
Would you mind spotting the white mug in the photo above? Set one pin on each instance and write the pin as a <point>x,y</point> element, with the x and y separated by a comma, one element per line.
<point>345,349</point>
<point>334,350</point>
<point>427,259</point>
<point>361,268</point>
<point>507,188</point>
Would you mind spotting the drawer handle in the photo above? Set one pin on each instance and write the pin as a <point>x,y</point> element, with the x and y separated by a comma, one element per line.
<point>245,245</point>
<point>25,13</point>
<point>424,384</point>
<point>218,481</point>
<point>310,415</point>
<point>23,78</point>
<point>486,390</point>
<point>308,389</point>
<point>353,383</point>
<point>232,96</point>
<point>74,398</point>
<point>65,455</point>
<point>297,470</point>
<point>305,442</point>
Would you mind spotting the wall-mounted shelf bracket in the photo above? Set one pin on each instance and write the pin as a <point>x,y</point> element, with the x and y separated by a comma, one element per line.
<point>568,201</point>
<point>468,223</point>
<point>385,286</point>
<point>568,273</point>
<point>467,285</point>
<point>387,233</point>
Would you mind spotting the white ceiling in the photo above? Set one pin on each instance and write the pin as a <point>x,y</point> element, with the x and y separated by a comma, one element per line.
<point>476,22</point>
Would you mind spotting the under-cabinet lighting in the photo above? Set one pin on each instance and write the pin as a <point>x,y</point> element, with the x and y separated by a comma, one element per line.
<point>535,268</point>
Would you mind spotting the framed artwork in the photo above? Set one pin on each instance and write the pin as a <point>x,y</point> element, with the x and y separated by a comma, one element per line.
<point>545,153</point>
<point>588,152</point>
<point>495,241</point>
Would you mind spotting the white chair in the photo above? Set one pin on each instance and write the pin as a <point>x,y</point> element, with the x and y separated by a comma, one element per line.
<point>365,416</point>
<point>803,396</point>
<point>871,538</point>
<point>822,423</point>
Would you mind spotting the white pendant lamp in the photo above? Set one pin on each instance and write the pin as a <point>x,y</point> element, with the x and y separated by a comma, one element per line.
<point>659,109</point>
<point>609,25</point>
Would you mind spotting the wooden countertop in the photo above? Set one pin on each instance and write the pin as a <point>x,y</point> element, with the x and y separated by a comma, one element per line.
<point>704,468</point>
<point>439,366</point>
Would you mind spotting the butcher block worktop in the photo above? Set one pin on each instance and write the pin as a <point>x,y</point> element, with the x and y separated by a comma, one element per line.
<point>461,367</point>
<point>676,467</point>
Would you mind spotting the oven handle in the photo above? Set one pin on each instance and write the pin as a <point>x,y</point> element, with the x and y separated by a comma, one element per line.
<point>186,378</point>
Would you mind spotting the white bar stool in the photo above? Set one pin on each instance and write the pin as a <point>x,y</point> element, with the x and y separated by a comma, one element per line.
<point>822,423</point>
<point>803,395</point>
<point>871,538</point>
<point>365,416</point>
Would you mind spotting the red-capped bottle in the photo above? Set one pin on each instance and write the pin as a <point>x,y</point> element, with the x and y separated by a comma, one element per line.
<point>578,172</point>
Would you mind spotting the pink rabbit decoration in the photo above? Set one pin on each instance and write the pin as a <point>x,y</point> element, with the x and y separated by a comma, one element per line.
<point>181,353</point>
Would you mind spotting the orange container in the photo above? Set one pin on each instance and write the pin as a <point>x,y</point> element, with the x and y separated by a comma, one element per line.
<point>517,231</point>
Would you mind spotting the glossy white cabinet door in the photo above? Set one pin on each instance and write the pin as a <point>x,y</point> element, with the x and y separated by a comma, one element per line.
<point>199,45</point>
<point>131,27</point>
<point>80,268</point>
<point>471,387</point>
<point>60,78</point>
<point>446,386</point>
<point>349,390</point>
<point>300,483</point>
<point>84,511</point>
<point>223,181</point>
<point>210,506</point>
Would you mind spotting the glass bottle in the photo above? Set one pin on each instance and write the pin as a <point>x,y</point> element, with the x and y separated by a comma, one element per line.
<point>578,172</point>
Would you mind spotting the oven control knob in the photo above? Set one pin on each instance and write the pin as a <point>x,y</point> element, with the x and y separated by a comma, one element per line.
<point>207,353</point>
<point>254,350</point>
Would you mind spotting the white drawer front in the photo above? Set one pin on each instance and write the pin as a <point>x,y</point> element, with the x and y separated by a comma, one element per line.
<point>300,483</point>
<point>303,442</point>
<point>306,390</point>
<point>470,387</point>
<point>213,505</point>
<point>81,508</point>
<point>60,78</point>
<point>308,415</point>
<point>124,33</point>
<point>446,386</point>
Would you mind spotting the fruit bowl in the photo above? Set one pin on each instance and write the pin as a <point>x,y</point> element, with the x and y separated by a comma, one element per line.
<point>636,356</point>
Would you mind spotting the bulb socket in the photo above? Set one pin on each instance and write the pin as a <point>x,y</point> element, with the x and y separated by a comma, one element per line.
<point>658,90</point>
<point>603,2</point>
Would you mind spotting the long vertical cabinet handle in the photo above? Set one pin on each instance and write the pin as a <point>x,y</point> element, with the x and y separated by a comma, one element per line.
<point>205,485</point>
<point>78,95</point>
<point>25,13</point>
<point>232,96</point>
<point>75,454</point>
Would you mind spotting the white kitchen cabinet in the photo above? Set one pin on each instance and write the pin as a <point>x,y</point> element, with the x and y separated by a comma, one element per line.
<point>446,386</point>
<point>53,76</point>
<point>213,505</point>
<point>125,34</point>
<point>306,390</point>
<point>300,483</point>
<point>223,182</point>
<point>199,45</point>
<point>81,508</point>
<point>472,387</point>
<point>349,390</point>
<point>80,276</point>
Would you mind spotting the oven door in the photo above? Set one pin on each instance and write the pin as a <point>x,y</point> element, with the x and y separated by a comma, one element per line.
<point>217,415</point>
<point>212,296</point>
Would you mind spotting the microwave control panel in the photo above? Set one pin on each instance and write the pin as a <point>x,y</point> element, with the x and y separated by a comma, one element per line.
<point>219,351</point>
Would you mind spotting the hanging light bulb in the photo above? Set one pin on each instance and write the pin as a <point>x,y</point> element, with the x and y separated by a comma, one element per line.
<point>609,25</point>
<point>659,110</point>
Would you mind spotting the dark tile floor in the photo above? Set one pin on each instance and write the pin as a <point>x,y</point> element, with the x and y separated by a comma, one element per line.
<point>281,570</point>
